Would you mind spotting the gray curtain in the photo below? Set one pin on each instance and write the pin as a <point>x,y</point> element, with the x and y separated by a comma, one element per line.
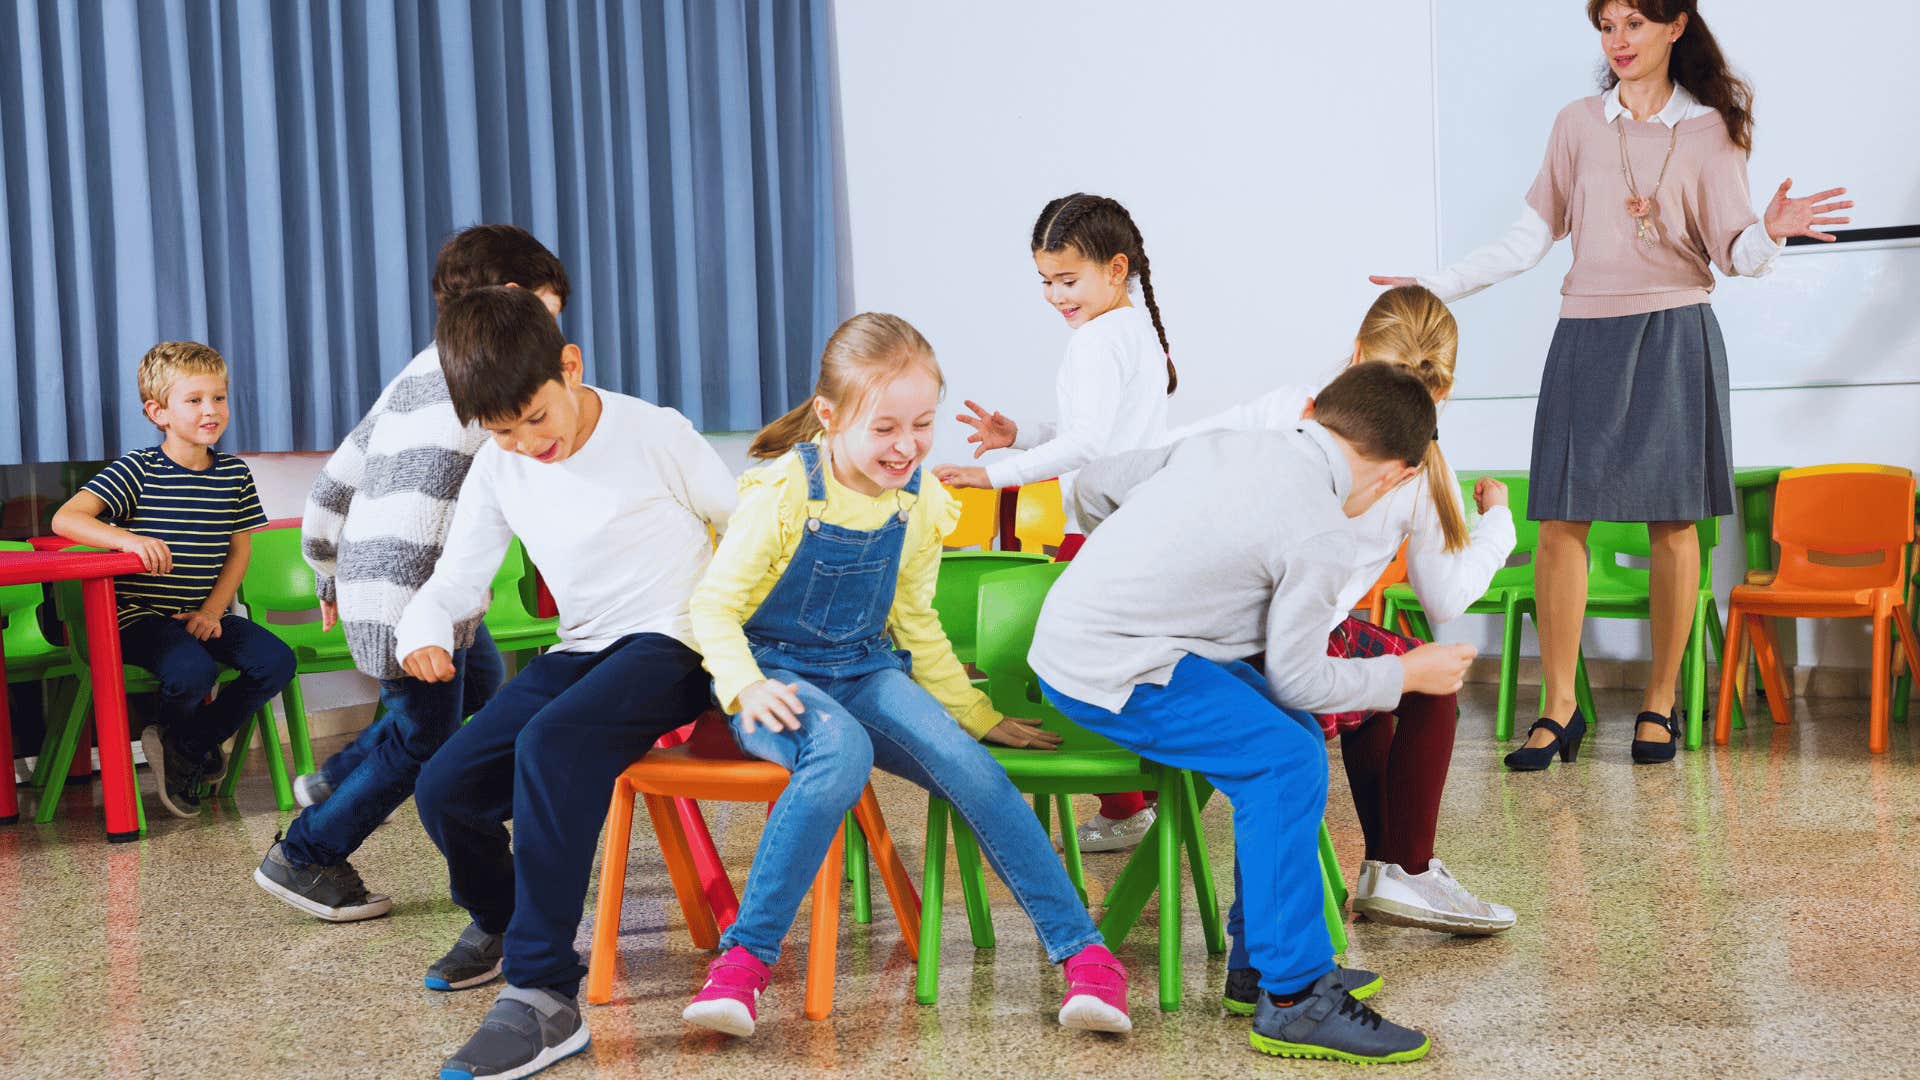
<point>274,178</point>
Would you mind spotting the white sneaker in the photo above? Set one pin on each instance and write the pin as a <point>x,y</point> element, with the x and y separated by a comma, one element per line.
<point>1364,883</point>
<point>1430,901</point>
<point>1102,833</point>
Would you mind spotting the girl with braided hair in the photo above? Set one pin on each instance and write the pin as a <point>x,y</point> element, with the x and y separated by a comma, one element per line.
<point>1111,391</point>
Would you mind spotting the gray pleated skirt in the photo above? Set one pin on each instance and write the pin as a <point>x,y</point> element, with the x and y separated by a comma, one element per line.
<point>1632,423</point>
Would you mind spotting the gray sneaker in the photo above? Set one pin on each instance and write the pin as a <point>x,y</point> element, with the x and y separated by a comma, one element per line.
<point>1431,901</point>
<point>1242,995</point>
<point>311,789</point>
<point>176,776</point>
<point>334,893</point>
<point>1328,1024</point>
<point>1102,833</point>
<point>525,1031</point>
<point>473,961</point>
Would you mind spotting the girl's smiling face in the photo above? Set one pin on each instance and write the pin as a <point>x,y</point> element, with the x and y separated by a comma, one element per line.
<point>1080,289</point>
<point>879,448</point>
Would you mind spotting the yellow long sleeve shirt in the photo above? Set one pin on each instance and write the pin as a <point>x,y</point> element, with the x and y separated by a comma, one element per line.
<point>761,537</point>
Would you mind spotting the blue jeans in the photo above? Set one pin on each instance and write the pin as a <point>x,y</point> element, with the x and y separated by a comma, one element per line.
<point>885,718</point>
<point>544,753</point>
<point>187,670</point>
<point>485,672</point>
<point>420,718</point>
<point>1271,763</point>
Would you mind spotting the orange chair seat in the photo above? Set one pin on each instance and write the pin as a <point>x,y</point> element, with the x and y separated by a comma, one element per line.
<point>678,772</point>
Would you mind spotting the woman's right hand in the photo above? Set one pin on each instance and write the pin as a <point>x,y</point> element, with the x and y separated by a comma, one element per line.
<point>991,430</point>
<point>771,705</point>
<point>1392,282</point>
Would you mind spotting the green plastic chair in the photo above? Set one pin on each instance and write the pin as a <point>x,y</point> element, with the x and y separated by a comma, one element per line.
<point>1085,763</point>
<point>31,656</point>
<point>956,595</point>
<point>278,581</point>
<point>510,617</point>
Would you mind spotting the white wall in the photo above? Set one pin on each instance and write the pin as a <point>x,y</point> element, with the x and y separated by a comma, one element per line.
<point>1273,158</point>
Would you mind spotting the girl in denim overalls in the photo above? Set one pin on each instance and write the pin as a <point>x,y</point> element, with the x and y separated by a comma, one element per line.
<point>816,620</point>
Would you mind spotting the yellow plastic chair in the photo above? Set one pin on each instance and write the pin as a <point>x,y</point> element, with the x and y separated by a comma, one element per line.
<point>1039,516</point>
<point>979,518</point>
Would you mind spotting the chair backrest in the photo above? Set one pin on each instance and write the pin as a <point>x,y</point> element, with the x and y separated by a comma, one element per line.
<point>1009,607</point>
<point>1608,542</point>
<point>1526,532</point>
<point>278,577</point>
<point>956,595</point>
<point>979,518</point>
<point>20,610</point>
<point>1395,573</point>
<point>1842,530</point>
<point>1846,467</point>
<point>512,584</point>
<point>1039,515</point>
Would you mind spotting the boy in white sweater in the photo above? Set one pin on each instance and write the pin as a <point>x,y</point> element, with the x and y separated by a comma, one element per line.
<point>613,498</point>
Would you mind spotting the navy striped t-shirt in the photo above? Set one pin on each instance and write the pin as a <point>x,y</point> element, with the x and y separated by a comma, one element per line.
<point>194,513</point>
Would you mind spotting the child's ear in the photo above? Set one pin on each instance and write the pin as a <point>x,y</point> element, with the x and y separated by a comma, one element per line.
<point>572,366</point>
<point>1117,270</point>
<point>152,409</point>
<point>1307,413</point>
<point>823,412</point>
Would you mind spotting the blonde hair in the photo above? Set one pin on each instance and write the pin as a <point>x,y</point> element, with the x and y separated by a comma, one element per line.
<point>1411,327</point>
<point>866,352</point>
<point>169,362</point>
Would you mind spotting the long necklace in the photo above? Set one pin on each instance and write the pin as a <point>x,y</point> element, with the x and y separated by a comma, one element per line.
<point>1639,207</point>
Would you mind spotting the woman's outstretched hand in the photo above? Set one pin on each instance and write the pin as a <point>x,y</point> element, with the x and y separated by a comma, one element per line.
<point>1392,282</point>
<point>1797,217</point>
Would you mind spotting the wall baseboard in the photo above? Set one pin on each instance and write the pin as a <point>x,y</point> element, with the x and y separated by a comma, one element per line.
<point>1808,681</point>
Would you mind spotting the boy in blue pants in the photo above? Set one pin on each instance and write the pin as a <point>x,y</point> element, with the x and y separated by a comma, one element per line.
<point>1246,534</point>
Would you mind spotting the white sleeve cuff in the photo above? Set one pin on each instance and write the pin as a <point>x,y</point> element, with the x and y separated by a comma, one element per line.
<point>1754,251</point>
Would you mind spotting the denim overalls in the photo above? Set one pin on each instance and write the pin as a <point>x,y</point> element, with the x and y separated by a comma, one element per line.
<point>824,627</point>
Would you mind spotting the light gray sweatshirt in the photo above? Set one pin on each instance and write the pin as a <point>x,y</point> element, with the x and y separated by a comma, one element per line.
<point>1222,546</point>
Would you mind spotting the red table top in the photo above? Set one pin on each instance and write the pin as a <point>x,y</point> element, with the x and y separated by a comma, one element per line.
<point>29,567</point>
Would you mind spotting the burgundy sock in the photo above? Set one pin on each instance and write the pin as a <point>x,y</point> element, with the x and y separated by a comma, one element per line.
<point>1122,806</point>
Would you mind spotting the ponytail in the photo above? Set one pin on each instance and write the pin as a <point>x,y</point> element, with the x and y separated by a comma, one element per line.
<point>800,424</point>
<point>1446,498</point>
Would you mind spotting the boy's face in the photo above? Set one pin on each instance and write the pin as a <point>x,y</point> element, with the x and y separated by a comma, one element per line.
<point>548,427</point>
<point>195,410</point>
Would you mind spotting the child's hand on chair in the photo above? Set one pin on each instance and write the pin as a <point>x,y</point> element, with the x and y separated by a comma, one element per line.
<point>1024,734</point>
<point>431,664</point>
<point>771,705</point>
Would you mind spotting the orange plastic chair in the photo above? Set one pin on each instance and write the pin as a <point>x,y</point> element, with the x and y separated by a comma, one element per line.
<point>979,518</point>
<point>1843,538</point>
<point>665,775</point>
<point>1376,599</point>
<point>1039,516</point>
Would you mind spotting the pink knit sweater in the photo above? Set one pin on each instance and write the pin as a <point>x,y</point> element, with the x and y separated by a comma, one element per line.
<point>1702,207</point>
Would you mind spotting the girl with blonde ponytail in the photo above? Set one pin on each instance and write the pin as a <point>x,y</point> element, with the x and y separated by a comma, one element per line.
<point>1397,762</point>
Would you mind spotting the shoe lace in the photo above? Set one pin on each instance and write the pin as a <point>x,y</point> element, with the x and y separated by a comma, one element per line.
<point>1358,1011</point>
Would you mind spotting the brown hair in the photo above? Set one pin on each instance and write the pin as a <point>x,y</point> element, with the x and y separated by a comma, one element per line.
<point>1410,326</point>
<point>169,362</point>
<point>1695,63</point>
<point>1100,228</point>
<point>482,255</point>
<point>864,353</point>
<point>498,347</point>
<point>1383,409</point>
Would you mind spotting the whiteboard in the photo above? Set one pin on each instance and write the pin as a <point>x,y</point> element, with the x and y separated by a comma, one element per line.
<point>1827,115</point>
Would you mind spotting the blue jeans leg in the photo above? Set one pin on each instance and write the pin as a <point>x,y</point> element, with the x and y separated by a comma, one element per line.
<point>187,669</point>
<point>545,752</point>
<point>484,672</point>
<point>1271,763</point>
<point>421,716</point>
<point>830,759</point>
<point>914,737</point>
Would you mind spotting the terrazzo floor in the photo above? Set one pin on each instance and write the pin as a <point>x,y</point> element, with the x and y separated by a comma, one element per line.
<point>1753,910</point>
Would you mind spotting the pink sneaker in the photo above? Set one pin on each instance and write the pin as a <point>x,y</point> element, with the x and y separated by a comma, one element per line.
<point>1096,992</point>
<point>727,1002</point>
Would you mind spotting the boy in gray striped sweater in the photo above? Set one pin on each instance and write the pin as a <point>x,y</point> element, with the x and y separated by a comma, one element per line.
<point>375,522</point>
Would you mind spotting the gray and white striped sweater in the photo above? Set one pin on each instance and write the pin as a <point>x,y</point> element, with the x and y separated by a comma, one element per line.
<point>379,512</point>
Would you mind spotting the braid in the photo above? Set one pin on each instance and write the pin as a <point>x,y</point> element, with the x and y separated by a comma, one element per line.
<point>1146,293</point>
<point>1100,228</point>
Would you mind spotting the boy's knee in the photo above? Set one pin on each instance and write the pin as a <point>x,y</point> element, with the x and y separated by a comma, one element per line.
<point>189,675</point>
<point>437,788</point>
<point>277,665</point>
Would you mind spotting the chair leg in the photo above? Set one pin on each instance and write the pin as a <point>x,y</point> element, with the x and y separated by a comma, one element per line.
<point>893,872</point>
<point>1127,897</point>
<point>1205,893</point>
<point>1881,687</point>
<point>680,870</point>
<point>1070,846</point>
<point>855,858</point>
<point>237,756</point>
<point>933,896</point>
<point>1582,689</point>
<point>1331,903</point>
<point>1173,815</point>
<point>973,884</point>
<point>823,931</point>
<point>1718,639</point>
<point>295,704</point>
<point>59,704</point>
<point>714,884</point>
<point>1904,631</point>
<point>605,954</point>
<point>276,761</point>
<point>1733,656</point>
<point>1330,868</point>
<point>1043,809</point>
<point>1509,670</point>
<point>61,757</point>
<point>1696,672</point>
<point>1767,655</point>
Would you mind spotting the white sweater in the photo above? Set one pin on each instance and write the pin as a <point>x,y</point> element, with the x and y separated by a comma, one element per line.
<point>1446,582</point>
<point>1112,397</point>
<point>618,530</point>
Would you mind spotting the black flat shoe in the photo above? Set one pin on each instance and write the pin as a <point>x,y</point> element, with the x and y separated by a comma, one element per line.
<point>1566,743</point>
<point>1653,753</point>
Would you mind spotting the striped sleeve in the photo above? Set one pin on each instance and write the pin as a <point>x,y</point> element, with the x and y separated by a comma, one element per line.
<point>118,485</point>
<point>247,513</point>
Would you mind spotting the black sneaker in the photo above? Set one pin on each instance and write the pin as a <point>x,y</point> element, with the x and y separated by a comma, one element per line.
<point>473,960</point>
<point>213,767</point>
<point>525,1031</point>
<point>334,893</point>
<point>1242,996</point>
<point>1327,1023</point>
<point>176,776</point>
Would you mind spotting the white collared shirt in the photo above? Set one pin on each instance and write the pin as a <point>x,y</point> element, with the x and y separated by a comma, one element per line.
<point>1528,240</point>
